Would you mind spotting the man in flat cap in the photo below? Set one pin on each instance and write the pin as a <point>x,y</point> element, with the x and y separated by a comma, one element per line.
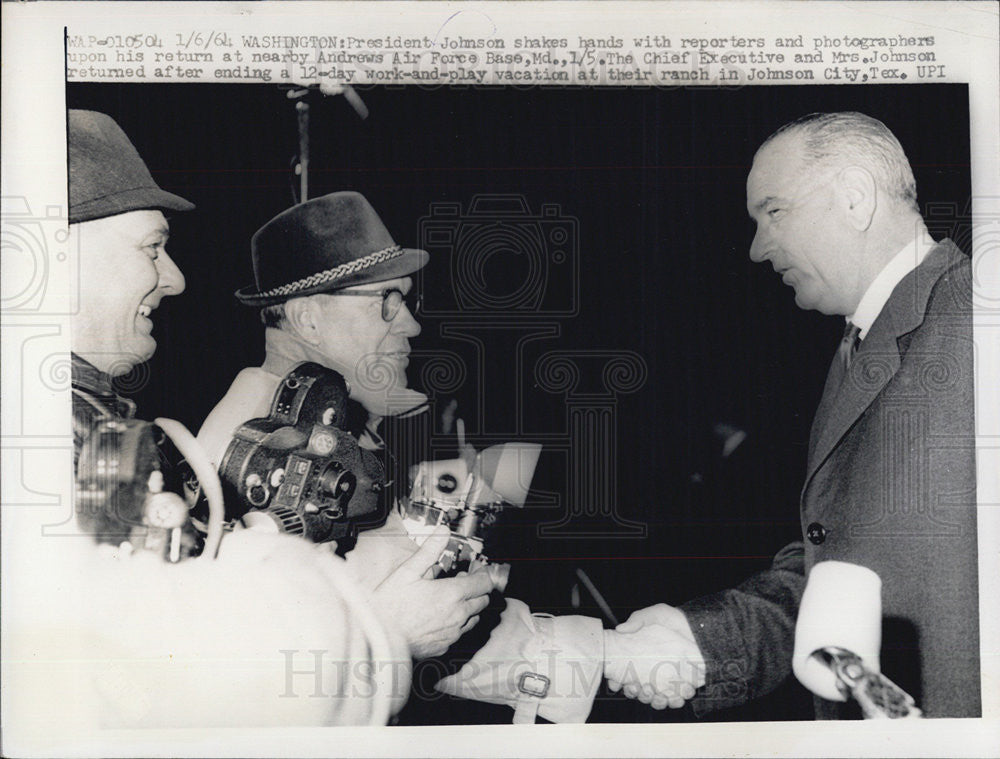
<point>159,644</point>
<point>116,215</point>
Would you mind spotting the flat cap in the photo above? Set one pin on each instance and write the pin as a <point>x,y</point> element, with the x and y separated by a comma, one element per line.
<point>106,174</point>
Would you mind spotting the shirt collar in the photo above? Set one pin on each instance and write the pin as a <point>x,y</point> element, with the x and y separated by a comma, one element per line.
<point>90,378</point>
<point>878,292</point>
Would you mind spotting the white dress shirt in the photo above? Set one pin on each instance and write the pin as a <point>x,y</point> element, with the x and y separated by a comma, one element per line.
<point>878,292</point>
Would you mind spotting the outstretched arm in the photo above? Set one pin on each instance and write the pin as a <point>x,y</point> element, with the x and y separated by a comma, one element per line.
<point>717,651</point>
<point>746,634</point>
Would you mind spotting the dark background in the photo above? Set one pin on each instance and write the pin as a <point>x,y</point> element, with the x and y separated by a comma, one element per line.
<point>655,181</point>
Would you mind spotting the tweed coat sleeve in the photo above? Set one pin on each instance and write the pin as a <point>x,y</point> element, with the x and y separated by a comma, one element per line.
<point>746,633</point>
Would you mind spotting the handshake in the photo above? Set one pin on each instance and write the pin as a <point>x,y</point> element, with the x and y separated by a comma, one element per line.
<point>653,657</point>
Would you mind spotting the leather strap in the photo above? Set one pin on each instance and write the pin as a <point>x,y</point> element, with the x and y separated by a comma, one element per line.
<point>533,686</point>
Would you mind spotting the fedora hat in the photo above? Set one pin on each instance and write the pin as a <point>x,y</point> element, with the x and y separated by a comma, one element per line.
<point>106,174</point>
<point>322,245</point>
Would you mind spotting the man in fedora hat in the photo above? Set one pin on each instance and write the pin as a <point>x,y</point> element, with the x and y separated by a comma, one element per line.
<point>335,289</point>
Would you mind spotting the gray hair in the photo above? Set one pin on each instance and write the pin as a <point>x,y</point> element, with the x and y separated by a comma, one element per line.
<point>833,138</point>
<point>273,316</point>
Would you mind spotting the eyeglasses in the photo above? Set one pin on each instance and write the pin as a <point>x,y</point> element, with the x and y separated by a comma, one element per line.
<point>392,300</point>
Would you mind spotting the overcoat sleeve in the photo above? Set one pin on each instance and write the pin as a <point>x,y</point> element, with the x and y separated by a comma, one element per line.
<point>746,633</point>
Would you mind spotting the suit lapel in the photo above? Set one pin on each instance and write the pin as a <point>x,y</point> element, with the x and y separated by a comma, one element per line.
<point>830,389</point>
<point>877,359</point>
<point>875,363</point>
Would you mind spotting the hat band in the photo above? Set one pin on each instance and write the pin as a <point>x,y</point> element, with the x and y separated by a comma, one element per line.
<point>338,272</point>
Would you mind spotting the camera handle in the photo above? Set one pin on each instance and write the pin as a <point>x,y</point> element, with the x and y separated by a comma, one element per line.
<point>196,457</point>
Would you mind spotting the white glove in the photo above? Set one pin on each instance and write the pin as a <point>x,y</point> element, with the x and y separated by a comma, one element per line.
<point>536,664</point>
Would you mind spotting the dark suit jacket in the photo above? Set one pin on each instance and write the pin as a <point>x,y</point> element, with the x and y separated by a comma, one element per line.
<point>890,485</point>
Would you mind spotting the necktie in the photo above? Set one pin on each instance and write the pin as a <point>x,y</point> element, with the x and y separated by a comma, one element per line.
<point>845,353</point>
<point>839,365</point>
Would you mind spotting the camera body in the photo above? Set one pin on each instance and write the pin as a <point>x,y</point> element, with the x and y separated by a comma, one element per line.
<point>299,469</point>
<point>467,497</point>
<point>128,487</point>
<point>468,524</point>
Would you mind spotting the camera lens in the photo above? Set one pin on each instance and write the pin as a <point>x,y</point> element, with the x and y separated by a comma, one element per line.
<point>257,495</point>
<point>257,492</point>
<point>337,483</point>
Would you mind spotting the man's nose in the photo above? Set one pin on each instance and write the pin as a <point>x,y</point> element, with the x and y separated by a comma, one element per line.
<point>171,279</point>
<point>405,323</point>
<point>759,247</point>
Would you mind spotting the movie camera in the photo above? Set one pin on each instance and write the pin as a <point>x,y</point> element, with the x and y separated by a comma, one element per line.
<point>299,470</point>
<point>129,480</point>
<point>468,499</point>
<point>127,492</point>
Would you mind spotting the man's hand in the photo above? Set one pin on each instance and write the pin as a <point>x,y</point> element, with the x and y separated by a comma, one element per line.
<point>431,614</point>
<point>653,657</point>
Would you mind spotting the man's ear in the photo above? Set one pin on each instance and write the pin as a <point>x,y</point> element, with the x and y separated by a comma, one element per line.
<point>859,195</point>
<point>302,320</point>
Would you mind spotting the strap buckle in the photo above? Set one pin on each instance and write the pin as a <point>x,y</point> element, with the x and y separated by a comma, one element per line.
<point>533,684</point>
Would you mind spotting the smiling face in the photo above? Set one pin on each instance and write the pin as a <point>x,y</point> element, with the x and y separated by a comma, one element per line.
<point>801,229</point>
<point>124,274</point>
<point>357,342</point>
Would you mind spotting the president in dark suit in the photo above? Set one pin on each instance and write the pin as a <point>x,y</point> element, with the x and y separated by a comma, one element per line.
<point>888,556</point>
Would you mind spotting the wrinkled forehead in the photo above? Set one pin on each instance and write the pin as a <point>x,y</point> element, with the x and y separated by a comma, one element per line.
<point>777,170</point>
